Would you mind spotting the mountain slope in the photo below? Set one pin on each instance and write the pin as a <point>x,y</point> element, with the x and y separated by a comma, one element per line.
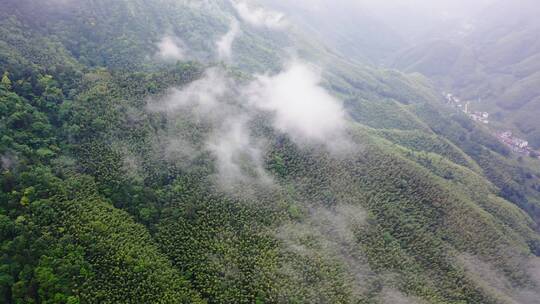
<point>116,187</point>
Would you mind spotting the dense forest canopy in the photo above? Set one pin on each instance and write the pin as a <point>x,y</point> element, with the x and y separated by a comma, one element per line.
<point>223,151</point>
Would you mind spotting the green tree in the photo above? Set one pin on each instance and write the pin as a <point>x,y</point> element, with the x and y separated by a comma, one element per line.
<point>6,82</point>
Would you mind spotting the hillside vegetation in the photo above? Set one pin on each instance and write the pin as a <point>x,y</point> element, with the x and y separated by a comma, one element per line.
<point>131,178</point>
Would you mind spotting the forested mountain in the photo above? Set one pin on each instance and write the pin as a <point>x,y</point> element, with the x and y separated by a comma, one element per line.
<point>177,151</point>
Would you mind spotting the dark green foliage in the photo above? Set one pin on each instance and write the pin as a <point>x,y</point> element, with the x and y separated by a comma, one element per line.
<point>81,249</point>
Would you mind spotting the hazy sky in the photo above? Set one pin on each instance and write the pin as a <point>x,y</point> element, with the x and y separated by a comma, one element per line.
<point>409,17</point>
<point>436,7</point>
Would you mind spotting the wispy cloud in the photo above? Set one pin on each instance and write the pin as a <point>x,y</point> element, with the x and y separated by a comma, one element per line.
<point>393,296</point>
<point>169,48</point>
<point>224,44</point>
<point>294,100</point>
<point>302,108</point>
<point>258,16</point>
<point>8,161</point>
<point>202,96</point>
<point>213,101</point>
<point>332,237</point>
<point>493,280</point>
<point>239,155</point>
<point>531,294</point>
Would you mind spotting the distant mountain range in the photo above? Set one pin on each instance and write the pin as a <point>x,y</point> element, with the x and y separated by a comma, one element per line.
<point>496,65</point>
<point>487,52</point>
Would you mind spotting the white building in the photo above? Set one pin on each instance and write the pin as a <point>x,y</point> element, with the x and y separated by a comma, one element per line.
<point>520,143</point>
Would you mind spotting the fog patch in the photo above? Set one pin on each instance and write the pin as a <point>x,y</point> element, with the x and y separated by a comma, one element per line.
<point>170,48</point>
<point>258,16</point>
<point>62,2</point>
<point>531,294</point>
<point>178,150</point>
<point>203,96</point>
<point>340,222</point>
<point>239,156</point>
<point>494,281</point>
<point>294,102</point>
<point>211,103</point>
<point>534,269</point>
<point>484,274</point>
<point>302,108</point>
<point>224,44</point>
<point>393,296</point>
<point>8,161</point>
<point>330,234</point>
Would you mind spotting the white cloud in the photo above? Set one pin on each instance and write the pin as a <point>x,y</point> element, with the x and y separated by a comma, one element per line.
<point>258,16</point>
<point>203,96</point>
<point>492,280</point>
<point>170,49</point>
<point>302,107</point>
<point>8,161</point>
<point>298,106</point>
<point>224,44</point>
<point>393,296</point>
<point>531,295</point>
<point>212,101</point>
<point>333,231</point>
<point>239,156</point>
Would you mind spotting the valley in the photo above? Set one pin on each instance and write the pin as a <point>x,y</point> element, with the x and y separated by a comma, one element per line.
<point>516,144</point>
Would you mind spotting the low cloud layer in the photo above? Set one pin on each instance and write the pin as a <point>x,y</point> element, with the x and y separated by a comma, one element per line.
<point>211,101</point>
<point>224,44</point>
<point>393,296</point>
<point>170,49</point>
<point>532,294</point>
<point>8,161</point>
<point>202,96</point>
<point>239,156</point>
<point>494,281</point>
<point>294,101</point>
<point>302,107</point>
<point>332,237</point>
<point>258,16</point>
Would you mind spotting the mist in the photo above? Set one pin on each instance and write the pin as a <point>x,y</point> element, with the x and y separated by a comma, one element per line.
<point>495,281</point>
<point>258,16</point>
<point>239,155</point>
<point>270,151</point>
<point>224,44</point>
<point>301,107</point>
<point>8,161</point>
<point>332,233</point>
<point>169,48</point>
<point>372,30</point>
<point>393,296</point>
<point>202,96</point>
<point>210,102</point>
<point>392,11</point>
<point>294,100</point>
